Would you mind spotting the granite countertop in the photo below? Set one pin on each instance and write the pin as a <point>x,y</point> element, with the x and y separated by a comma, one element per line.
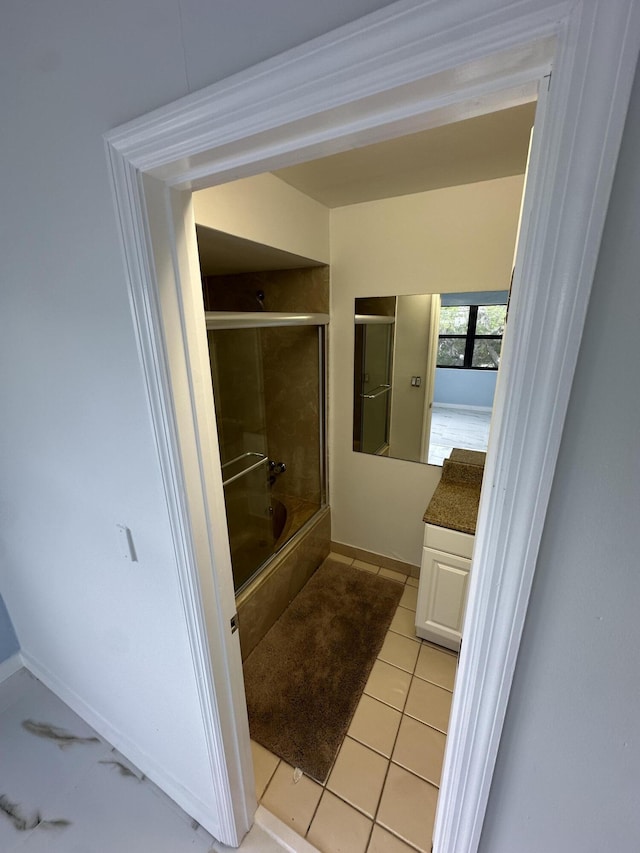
<point>471,457</point>
<point>455,501</point>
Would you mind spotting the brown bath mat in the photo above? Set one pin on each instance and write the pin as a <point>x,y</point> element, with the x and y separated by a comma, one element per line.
<point>305,677</point>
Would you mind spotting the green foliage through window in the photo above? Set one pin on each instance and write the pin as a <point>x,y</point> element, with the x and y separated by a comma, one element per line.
<point>470,336</point>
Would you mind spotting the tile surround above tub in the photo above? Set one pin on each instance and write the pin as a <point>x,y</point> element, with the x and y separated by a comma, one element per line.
<point>264,601</point>
<point>303,289</point>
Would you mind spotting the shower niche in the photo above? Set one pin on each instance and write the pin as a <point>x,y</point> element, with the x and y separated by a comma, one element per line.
<point>267,348</point>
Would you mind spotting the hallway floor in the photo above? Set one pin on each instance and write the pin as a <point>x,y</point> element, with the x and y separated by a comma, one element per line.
<point>381,794</point>
<point>462,427</point>
<point>64,789</point>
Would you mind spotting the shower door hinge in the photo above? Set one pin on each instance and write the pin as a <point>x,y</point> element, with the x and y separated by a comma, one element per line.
<point>234,623</point>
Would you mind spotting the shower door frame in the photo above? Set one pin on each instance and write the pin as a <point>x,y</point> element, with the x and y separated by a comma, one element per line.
<point>393,72</point>
<point>364,321</point>
<point>226,320</point>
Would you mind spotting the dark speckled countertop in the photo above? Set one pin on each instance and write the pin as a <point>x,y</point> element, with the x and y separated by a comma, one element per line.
<point>455,501</point>
<point>471,457</point>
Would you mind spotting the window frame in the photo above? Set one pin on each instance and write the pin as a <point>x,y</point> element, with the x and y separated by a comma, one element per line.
<point>470,337</point>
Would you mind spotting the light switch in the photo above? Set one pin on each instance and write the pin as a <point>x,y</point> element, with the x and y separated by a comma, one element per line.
<point>127,548</point>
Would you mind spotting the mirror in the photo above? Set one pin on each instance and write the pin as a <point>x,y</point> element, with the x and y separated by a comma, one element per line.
<point>425,370</point>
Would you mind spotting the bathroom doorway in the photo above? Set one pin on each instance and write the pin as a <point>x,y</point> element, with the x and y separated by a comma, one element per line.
<point>417,668</point>
<point>150,168</point>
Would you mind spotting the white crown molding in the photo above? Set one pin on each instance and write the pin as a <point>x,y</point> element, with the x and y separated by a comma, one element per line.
<point>381,76</point>
<point>347,73</point>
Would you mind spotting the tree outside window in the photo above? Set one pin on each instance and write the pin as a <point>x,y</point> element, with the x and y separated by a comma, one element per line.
<point>470,336</point>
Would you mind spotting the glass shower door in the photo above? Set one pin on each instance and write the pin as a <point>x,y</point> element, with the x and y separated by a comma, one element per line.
<point>248,503</point>
<point>236,370</point>
<point>377,346</point>
<point>267,371</point>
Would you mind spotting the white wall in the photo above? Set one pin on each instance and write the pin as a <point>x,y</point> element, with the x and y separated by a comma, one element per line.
<point>457,387</point>
<point>454,239</point>
<point>266,210</point>
<point>81,448</point>
<point>568,771</point>
<point>78,449</point>
<point>8,641</point>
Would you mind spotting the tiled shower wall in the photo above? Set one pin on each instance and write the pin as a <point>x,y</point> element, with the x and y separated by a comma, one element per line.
<point>237,379</point>
<point>304,289</point>
<point>290,368</point>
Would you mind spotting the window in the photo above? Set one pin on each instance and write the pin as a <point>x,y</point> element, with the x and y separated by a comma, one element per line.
<point>470,336</point>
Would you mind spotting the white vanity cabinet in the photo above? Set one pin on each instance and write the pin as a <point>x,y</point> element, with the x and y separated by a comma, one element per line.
<point>444,580</point>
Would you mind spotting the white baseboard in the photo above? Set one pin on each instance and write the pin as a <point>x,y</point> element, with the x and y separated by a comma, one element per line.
<point>409,569</point>
<point>187,801</point>
<point>462,406</point>
<point>11,665</point>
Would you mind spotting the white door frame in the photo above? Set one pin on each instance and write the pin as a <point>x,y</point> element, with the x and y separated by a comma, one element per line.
<point>430,375</point>
<point>411,65</point>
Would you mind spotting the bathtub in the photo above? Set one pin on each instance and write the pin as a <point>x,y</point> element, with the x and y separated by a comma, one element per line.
<point>282,577</point>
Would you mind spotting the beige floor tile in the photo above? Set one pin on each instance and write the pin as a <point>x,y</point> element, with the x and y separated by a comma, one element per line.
<point>358,776</point>
<point>408,807</point>
<point>409,598</point>
<point>420,748</point>
<point>264,765</point>
<point>404,622</point>
<point>400,651</point>
<point>412,582</point>
<point>384,842</point>
<point>368,567</point>
<point>389,684</point>
<point>293,802</point>
<point>436,666</point>
<point>375,724</point>
<point>429,703</point>
<point>340,558</point>
<point>393,575</point>
<point>339,828</point>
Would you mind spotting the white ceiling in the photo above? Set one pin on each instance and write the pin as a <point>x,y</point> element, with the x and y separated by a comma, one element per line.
<point>477,149</point>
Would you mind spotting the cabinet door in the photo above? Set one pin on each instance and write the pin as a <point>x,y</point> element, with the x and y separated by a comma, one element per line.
<point>442,596</point>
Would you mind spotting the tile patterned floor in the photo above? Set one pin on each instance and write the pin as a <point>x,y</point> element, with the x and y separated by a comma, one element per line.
<point>382,791</point>
<point>80,794</point>
<point>380,795</point>
<point>457,427</point>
